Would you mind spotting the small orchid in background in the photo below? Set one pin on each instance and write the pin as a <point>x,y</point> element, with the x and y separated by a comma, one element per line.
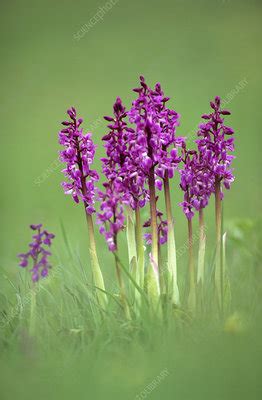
<point>38,253</point>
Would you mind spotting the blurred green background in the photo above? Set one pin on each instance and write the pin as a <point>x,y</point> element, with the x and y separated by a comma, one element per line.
<point>196,49</point>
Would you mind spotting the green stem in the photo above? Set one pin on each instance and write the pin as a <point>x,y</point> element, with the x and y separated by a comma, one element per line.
<point>153,214</point>
<point>172,285</point>
<point>132,255</point>
<point>191,270</point>
<point>140,248</point>
<point>97,273</point>
<point>121,287</point>
<point>219,262</point>
<point>201,257</point>
<point>131,242</point>
<point>153,272</point>
<point>201,250</point>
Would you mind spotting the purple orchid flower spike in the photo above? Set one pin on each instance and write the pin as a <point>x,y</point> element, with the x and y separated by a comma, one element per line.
<point>155,149</point>
<point>38,253</point>
<point>78,155</point>
<point>155,140</point>
<point>125,181</point>
<point>197,182</point>
<point>119,165</point>
<point>216,143</point>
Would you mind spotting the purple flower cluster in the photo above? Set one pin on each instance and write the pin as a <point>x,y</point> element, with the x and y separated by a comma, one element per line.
<point>155,132</point>
<point>38,253</point>
<point>196,181</point>
<point>216,142</point>
<point>132,154</point>
<point>124,184</point>
<point>78,155</point>
<point>210,164</point>
<point>162,229</point>
<point>119,166</point>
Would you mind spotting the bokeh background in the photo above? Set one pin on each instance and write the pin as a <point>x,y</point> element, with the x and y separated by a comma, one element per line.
<point>52,58</point>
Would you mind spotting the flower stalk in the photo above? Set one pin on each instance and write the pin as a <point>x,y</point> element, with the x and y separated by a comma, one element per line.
<point>121,283</point>
<point>132,255</point>
<point>97,273</point>
<point>153,271</point>
<point>191,269</point>
<point>78,154</point>
<point>219,259</point>
<point>140,248</point>
<point>172,285</point>
<point>201,255</point>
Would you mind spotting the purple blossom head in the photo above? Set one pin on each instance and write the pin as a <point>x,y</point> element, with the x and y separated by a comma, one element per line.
<point>196,181</point>
<point>119,166</point>
<point>210,164</point>
<point>38,253</point>
<point>216,143</point>
<point>78,155</point>
<point>155,141</point>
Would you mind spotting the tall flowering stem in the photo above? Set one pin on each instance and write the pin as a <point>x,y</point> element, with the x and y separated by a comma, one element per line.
<point>131,243</point>
<point>194,183</point>
<point>201,256</point>
<point>153,214</point>
<point>78,154</point>
<point>191,268</point>
<point>152,120</point>
<point>157,143</point>
<point>111,216</point>
<point>140,248</point>
<point>121,284</point>
<point>111,220</point>
<point>162,232</point>
<point>219,278</point>
<point>215,144</point>
<point>172,286</point>
<point>122,170</point>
